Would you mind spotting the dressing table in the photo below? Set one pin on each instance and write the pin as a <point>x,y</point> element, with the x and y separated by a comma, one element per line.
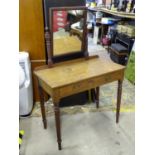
<point>70,77</point>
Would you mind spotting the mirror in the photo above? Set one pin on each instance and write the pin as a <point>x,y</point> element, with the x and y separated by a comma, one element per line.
<point>67,30</point>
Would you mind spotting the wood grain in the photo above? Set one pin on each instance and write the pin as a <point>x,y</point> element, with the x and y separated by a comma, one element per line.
<point>35,82</point>
<point>31,28</point>
<point>31,35</point>
<point>72,73</point>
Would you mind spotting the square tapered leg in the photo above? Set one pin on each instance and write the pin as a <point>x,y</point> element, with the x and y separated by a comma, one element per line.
<point>119,94</point>
<point>57,123</point>
<point>42,106</point>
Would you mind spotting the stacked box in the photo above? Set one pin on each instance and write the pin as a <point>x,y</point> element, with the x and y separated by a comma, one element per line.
<point>129,30</point>
<point>124,29</point>
<point>119,27</point>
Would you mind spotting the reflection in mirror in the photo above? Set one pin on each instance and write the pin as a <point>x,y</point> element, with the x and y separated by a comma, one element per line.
<point>67,31</point>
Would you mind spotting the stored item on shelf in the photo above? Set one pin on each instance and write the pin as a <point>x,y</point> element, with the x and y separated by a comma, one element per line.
<point>124,5</point>
<point>119,27</point>
<point>129,30</point>
<point>99,14</point>
<point>133,9</point>
<point>113,8</point>
<point>128,7</point>
<point>93,4</point>
<point>107,21</point>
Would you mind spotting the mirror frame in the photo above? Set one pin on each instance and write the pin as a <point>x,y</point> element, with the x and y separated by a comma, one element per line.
<point>50,50</point>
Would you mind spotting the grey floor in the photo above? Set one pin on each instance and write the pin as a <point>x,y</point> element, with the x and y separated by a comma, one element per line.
<point>82,134</point>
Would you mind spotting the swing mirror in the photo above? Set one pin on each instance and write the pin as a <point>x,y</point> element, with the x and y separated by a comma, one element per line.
<point>67,30</point>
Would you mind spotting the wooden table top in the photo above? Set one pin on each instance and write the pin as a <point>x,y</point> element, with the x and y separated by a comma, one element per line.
<point>70,73</point>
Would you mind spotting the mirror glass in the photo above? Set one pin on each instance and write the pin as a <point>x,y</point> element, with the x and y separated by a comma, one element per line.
<point>67,31</point>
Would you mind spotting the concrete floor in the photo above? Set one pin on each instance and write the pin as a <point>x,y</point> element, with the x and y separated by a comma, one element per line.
<point>82,134</point>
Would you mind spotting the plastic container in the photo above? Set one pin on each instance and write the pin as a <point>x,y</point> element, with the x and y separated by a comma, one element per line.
<point>25,89</point>
<point>107,21</point>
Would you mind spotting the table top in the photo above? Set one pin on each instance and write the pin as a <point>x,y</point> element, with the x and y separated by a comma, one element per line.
<point>74,72</point>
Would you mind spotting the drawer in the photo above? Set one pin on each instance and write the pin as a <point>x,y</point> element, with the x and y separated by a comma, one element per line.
<point>75,88</point>
<point>90,83</point>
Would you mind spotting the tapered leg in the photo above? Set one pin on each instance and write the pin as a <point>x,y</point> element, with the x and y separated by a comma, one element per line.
<point>41,94</point>
<point>97,96</point>
<point>93,95</point>
<point>119,94</point>
<point>57,123</point>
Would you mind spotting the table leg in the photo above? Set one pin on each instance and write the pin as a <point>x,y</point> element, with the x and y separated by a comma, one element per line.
<point>93,95</point>
<point>97,96</point>
<point>41,95</point>
<point>57,123</point>
<point>119,94</point>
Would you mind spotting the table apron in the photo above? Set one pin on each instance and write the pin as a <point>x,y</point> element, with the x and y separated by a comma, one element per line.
<point>89,84</point>
<point>46,87</point>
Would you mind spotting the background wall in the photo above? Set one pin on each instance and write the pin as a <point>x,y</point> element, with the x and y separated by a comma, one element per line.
<point>31,35</point>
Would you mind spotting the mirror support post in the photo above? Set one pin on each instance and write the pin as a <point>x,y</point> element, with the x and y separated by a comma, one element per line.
<point>48,46</point>
<point>85,39</point>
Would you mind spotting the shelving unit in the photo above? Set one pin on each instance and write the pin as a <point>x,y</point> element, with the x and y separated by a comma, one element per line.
<point>115,13</point>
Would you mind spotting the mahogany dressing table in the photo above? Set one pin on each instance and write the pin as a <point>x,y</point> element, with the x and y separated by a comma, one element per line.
<point>62,79</point>
<point>69,78</point>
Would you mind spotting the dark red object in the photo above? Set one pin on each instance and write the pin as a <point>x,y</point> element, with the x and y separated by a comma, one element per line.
<point>60,20</point>
<point>106,41</point>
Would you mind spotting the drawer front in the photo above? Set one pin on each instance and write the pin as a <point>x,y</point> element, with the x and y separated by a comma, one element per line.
<point>90,83</point>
